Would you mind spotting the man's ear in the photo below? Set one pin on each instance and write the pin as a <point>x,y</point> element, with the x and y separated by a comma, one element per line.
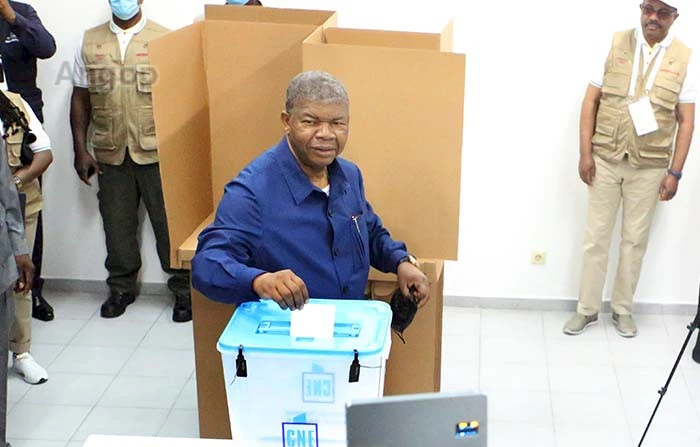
<point>284,117</point>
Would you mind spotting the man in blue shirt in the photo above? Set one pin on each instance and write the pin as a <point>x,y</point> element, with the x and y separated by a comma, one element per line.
<point>295,223</point>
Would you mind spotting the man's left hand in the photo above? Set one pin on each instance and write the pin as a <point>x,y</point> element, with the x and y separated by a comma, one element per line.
<point>25,268</point>
<point>413,282</point>
<point>668,188</point>
<point>6,12</point>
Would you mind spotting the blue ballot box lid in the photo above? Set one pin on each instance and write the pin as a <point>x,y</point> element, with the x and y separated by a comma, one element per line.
<point>262,327</point>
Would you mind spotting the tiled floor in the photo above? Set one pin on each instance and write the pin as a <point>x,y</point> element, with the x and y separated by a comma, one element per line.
<point>135,375</point>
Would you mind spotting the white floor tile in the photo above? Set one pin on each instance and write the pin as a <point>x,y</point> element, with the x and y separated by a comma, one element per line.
<point>75,444</point>
<point>169,336</point>
<point>676,409</point>
<point>512,323</point>
<point>519,406</point>
<point>512,433</point>
<point>642,380</point>
<point>91,360</point>
<point>669,437</point>
<point>575,351</point>
<point>587,409</point>
<point>56,332</point>
<point>514,378</point>
<point>35,443</point>
<point>461,321</point>
<point>112,333</point>
<point>69,389</point>
<point>583,379</point>
<point>460,349</point>
<point>122,421</point>
<point>635,352</point>
<point>502,350</point>
<point>459,377</point>
<point>16,388</point>
<point>580,435</point>
<point>45,422</point>
<point>181,424</point>
<point>45,354</point>
<point>187,400</point>
<point>160,363</point>
<point>74,306</point>
<point>143,392</point>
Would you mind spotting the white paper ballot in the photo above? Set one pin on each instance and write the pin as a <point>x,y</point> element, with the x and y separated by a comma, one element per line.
<point>643,116</point>
<point>313,321</point>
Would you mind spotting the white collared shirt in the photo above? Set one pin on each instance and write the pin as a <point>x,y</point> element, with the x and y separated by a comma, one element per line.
<point>124,36</point>
<point>688,92</point>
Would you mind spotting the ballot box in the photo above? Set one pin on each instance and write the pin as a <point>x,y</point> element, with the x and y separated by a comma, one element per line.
<point>289,378</point>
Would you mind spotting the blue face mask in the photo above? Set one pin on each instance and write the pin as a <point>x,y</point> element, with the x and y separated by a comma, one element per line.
<point>236,2</point>
<point>124,9</point>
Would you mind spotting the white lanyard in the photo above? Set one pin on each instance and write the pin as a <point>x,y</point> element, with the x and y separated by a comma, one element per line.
<point>654,70</point>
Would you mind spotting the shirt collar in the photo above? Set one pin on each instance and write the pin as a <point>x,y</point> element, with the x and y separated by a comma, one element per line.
<point>133,30</point>
<point>639,35</point>
<point>299,184</point>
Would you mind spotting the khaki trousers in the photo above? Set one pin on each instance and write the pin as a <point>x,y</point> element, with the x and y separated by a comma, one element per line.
<point>638,190</point>
<point>21,327</point>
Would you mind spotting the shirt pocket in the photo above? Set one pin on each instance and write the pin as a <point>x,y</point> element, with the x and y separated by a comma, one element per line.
<point>360,238</point>
<point>100,79</point>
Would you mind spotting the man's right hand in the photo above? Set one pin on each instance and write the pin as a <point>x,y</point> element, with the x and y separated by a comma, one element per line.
<point>586,169</point>
<point>283,287</point>
<point>86,166</point>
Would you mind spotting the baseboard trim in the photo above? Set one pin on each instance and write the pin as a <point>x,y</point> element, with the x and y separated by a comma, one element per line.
<point>562,305</point>
<point>100,287</point>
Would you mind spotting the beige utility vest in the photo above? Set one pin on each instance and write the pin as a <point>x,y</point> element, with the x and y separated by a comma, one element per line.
<point>614,130</point>
<point>120,94</point>
<point>13,144</point>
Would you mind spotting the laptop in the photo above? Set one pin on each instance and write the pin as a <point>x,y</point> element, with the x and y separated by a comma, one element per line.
<point>418,420</point>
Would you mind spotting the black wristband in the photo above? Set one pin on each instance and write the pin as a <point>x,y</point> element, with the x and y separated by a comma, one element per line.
<point>676,174</point>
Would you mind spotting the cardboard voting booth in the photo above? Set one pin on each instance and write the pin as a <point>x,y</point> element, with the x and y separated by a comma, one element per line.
<point>285,389</point>
<point>217,105</point>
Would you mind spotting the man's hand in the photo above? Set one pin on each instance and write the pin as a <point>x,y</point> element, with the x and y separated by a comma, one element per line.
<point>413,282</point>
<point>86,166</point>
<point>6,12</point>
<point>283,287</point>
<point>586,169</point>
<point>668,188</point>
<point>25,268</point>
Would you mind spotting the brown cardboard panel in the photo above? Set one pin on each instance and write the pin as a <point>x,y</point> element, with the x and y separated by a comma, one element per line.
<point>181,113</point>
<point>270,15</point>
<point>247,86</point>
<point>188,248</point>
<point>406,115</point>
<point>378,38</point>
<point>209,320</point>
<point>447,37</point>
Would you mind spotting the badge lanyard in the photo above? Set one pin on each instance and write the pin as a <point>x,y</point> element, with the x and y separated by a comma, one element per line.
<point>652,74</point>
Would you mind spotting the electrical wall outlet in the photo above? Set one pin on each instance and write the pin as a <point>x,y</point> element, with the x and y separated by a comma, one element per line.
<point>538,257</point>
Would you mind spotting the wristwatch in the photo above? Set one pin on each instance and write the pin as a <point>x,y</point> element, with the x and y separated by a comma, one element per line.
<point>410,258</point>
<point>676,174</point>
<point>17,180</point>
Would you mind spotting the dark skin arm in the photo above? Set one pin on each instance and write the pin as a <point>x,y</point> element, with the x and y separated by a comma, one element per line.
<point>589,109</point>
<point>80,109</point>
<point>686,126</point>
<point>40,163</point>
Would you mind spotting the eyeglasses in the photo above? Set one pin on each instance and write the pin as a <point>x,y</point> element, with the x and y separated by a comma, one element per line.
<point>661,13</point>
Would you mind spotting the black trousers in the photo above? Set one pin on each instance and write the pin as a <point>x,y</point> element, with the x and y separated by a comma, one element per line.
<point>121,190</point>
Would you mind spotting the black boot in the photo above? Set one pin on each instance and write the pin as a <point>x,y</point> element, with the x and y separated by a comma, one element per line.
<point>41,309</point>
<point>696,351</point>
<point>116,304</point>
<point>182,311</point>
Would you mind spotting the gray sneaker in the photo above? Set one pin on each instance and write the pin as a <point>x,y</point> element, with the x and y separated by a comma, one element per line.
<point>578,323</point>
<point>624,325</point>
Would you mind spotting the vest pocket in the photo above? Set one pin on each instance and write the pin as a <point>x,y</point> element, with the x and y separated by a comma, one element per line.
<point>604,136</point>
<point>102,128</point>
<point>100,79</point>
<point>616,84</point>
<point>658,145</point>
<point>14,148</point>
<point>665,93</point>
<point>147,129</point>
<point>144,79</point>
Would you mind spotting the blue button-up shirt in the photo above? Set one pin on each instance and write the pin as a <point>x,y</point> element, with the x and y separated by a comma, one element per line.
<point>273,218</point>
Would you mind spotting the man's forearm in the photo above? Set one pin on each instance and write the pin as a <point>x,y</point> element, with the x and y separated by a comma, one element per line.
<point>683,140</point>
<point>39,164</point>
<point>587,127</point>
<point>79,122</point>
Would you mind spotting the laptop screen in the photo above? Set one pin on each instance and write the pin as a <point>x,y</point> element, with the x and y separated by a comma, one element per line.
<point>419,420</point>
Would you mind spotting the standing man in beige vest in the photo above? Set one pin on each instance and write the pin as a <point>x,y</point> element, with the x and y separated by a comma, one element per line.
<point>637,122</point>
<point>112,112</point>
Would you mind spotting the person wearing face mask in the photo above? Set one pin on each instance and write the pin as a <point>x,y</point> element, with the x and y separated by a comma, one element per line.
<point>112,112</point>
<point>637,122</point>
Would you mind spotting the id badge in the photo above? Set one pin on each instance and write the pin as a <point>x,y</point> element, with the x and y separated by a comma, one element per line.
<point>643,116</point>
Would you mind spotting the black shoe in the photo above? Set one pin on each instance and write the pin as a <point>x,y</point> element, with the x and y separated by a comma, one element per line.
<point>41,309</point>
<point>696,351</point>
<point>116,304</point>
<point>182,311</point>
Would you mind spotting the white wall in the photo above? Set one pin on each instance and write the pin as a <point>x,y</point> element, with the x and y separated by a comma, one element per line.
<point>527,69</point>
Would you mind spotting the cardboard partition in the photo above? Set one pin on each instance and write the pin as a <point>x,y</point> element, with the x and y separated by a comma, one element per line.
<point>181,108</point>
<point>406,115</point>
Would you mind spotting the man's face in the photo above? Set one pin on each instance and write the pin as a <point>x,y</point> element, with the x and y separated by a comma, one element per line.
<point>317,132</point>
<point>657,18</point>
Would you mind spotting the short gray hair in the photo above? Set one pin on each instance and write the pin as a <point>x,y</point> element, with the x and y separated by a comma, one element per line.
<point>315,86</point>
